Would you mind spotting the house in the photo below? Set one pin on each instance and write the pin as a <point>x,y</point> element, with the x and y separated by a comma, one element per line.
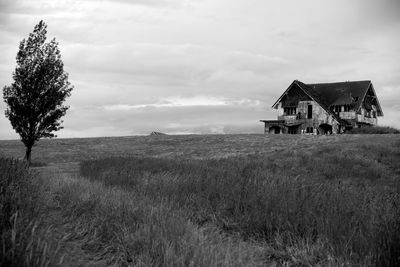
<point>325,108</point>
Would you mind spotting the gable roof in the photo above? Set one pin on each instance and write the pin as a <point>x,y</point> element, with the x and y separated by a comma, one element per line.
<point>313,95</point>
<point>339,93</point>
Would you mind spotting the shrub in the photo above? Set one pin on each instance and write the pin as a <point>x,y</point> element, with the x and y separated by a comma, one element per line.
<point>374,130</point>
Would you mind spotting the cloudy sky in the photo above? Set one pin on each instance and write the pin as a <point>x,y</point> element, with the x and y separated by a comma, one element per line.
<point>203,66</point>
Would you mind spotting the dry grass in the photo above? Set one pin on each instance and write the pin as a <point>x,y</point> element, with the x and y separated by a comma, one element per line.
<point>62,151</point>
<point>121,228</point>
<point>25,241</point>
<point>217,200</point>
<point>342,200</point>
<point>78,222</point>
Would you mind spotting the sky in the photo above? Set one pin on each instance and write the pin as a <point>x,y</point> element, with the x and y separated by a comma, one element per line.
<point>203,66</point>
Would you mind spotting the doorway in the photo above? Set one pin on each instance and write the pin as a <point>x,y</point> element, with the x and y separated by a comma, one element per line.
<point>275,130</point>
<point>293,129</point>
<point>325,128</point>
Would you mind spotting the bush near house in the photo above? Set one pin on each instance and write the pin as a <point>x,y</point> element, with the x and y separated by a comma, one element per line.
<point>374,130</point>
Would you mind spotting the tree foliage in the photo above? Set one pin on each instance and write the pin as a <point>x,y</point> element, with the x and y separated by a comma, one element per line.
<point>35,98</point>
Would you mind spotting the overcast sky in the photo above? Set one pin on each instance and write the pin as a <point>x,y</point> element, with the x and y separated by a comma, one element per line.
<point>203,66</point>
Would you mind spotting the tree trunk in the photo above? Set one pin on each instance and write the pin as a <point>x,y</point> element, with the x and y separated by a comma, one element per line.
<point>28,155</point>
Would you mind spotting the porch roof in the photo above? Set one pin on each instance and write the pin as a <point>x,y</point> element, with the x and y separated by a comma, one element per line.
<point>273,122</point>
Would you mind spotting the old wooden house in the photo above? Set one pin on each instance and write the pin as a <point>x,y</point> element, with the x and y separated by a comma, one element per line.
<point>325,108</point>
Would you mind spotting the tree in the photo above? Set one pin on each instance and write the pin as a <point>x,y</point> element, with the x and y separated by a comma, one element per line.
<point>35,98</point>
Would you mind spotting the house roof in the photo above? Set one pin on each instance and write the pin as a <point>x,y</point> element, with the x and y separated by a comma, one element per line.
<point>344,99</point>
<point>339,93</point>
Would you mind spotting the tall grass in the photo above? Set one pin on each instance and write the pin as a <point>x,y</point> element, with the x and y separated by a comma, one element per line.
<point>335,200</point>
<point>22,241</point>
<point>118,228</point>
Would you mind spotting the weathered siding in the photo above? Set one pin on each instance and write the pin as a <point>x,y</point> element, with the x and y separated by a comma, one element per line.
<point>319,116</point>
<point>361,118</point>
<point>347,115</point>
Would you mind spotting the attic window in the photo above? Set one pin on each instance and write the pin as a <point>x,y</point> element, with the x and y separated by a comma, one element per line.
<point>337,109</point>
<point>289,111</point>
<point>347,108</point>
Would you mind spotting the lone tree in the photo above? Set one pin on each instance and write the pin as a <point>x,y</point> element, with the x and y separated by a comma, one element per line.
<point>35,98</point>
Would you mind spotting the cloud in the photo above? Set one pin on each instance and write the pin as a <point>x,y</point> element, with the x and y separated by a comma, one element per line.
<point>149,3</point>
<point>176,102</point>
<point>173,61</point>
<point>181,119</point>
<point>197,101</point>
<point>44,7</point>
<point>120,73</point>
<point>203,66</point>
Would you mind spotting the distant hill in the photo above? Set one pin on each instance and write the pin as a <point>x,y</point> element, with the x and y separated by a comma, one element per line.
<point>156,133</point>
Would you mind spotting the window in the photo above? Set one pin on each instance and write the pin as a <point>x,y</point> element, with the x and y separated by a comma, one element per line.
<point>347,108</point>
<point>337,109</point>
<point>289,111</point>
<point>309,113</point>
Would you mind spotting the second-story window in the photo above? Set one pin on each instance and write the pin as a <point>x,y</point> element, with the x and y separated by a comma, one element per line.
<point>289,111</point>
<point>309,112</point>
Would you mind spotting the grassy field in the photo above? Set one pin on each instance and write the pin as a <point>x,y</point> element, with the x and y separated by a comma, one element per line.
<point>219,200</point>
<point>189,146</point>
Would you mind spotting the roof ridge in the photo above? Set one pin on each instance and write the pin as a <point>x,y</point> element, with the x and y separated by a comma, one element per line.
<point>339,82</point>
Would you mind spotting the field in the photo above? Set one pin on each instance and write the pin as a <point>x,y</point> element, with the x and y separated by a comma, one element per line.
<point>215,200</point>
